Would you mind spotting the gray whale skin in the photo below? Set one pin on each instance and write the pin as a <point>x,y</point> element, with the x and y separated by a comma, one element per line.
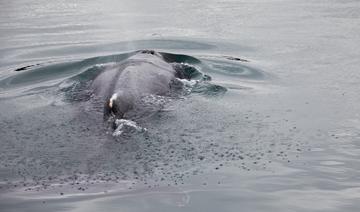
<point>120,86</point>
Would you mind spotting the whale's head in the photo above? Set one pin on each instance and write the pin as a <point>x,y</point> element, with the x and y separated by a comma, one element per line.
<point>121,86</point>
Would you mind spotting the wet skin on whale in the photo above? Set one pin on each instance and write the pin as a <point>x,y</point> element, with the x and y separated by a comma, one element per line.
<point>122,85</point>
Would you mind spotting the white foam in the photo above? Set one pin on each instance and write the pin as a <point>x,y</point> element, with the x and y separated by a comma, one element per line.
<point>123,124</point>
<point>189,84</point>
<point>154,99</point>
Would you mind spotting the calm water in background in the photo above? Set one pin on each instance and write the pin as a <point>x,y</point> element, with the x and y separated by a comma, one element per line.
<point>282,139</point>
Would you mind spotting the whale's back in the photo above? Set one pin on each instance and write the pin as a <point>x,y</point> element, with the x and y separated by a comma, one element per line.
<point>142,74</point>
<point>143,77</point>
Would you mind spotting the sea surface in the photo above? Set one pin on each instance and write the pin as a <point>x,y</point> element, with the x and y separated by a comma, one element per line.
<point>277,128</point>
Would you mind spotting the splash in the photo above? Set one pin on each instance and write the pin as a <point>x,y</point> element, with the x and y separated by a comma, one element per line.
<point>124,125</point>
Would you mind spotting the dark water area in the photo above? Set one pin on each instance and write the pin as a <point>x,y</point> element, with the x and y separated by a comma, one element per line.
<point>265,118</point>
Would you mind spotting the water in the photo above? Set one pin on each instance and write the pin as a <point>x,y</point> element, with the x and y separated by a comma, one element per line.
<point>283,137</point>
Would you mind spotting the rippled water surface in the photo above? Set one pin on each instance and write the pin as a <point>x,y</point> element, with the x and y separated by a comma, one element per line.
<point>267,121</point>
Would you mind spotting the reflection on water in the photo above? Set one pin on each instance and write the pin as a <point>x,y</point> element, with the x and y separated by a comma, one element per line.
<point>273,125</point>
<point>182,131</point>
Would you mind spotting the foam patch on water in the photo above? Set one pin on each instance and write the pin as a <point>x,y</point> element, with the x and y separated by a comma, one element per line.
<point>155,99</point>
<point>189,84</point>
<point>124,125</point>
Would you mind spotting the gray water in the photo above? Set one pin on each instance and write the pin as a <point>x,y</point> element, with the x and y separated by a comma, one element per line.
<point>283,137</point>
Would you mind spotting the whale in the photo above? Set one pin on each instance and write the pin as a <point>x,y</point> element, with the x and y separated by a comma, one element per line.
<point>122,85</point>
